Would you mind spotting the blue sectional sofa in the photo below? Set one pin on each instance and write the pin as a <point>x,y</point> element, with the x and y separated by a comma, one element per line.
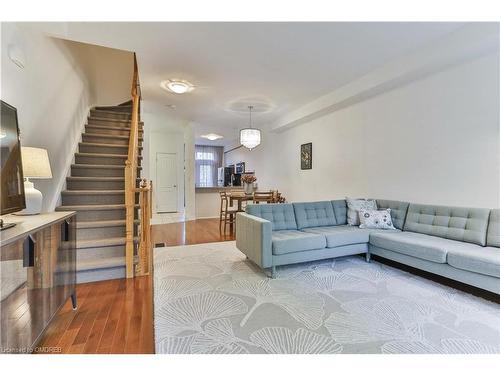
<point>456,242</point>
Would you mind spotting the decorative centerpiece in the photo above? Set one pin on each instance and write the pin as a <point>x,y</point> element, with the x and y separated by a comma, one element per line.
<point>248,180</point>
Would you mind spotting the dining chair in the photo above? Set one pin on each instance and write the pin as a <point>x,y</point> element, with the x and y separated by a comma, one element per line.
<point>280,198</point>
<point>262,196</point>
<point>227,213</point>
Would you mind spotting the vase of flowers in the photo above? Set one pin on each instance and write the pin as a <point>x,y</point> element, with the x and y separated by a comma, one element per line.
<point>248,180</point>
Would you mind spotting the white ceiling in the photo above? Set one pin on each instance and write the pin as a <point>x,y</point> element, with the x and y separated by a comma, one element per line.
<point>275,66</point>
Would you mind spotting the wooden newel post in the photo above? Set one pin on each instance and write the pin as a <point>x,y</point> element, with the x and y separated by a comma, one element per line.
<point>129,220</point>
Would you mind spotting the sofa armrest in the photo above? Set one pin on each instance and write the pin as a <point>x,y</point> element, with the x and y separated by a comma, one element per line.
<point>253,238</point>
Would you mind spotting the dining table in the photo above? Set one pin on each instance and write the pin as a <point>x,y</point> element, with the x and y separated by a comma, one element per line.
<point>239,197</point>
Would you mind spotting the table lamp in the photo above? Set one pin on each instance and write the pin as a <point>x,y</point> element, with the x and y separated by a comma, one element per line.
<point>36,165</point>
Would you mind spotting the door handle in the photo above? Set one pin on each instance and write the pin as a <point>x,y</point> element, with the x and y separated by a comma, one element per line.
<point>29,251</point>
<point>65,231</point>
<point>175,185</point>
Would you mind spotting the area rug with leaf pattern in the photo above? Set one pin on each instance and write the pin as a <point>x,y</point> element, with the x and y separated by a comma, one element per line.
<point>210,299</point>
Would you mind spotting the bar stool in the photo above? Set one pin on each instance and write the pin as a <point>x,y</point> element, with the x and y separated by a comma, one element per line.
<point>227,214</point>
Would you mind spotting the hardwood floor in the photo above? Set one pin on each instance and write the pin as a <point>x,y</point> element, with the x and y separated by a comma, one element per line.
<point>190,233</point>
<point>116,316</point>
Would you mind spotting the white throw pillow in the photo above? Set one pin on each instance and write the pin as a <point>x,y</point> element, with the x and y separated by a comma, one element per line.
<point>353,207</point>
<point>373,219</point>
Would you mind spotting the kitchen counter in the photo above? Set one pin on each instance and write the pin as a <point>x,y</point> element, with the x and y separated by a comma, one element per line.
<point>207,200</point>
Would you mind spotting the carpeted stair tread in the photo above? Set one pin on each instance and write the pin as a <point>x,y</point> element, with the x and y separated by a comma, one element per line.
<point>93,192</point>
<point>93,207</point>
<point>114,108</point>
<point>97,155</point>
<point>112,136</point>
<point>105,112</point>
<point>102,242</point>
<point>109,127</point>
<point>106,145</point>
<point>100,263</point>
<point>111,119</point>
<point>100,166</point>
<point>102,224</point>
<point>97,178</point>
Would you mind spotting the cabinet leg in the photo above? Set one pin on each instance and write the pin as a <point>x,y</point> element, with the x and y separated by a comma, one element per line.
<point>73,301</point>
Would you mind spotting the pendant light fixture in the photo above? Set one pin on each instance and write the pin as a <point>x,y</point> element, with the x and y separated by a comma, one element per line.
<point>250,137</point>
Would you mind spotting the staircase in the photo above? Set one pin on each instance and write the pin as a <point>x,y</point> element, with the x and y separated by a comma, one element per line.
<point>96,191</point>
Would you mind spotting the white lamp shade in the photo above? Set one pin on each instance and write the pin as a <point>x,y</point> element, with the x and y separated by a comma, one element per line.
<point>35,163</point>
<point>250,138</point>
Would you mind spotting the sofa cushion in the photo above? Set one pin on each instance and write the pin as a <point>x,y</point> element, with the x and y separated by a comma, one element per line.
<point>314,214</point>
<point>353,207</point>
<point>292,241</point>
<point>375,219</point>
<point>417,245</point>
<point>281,216</point>
<point>484,260</point>
<point>455,223</point>
<point>341,235</point>
<point>493,237</point>
<point>340,210</point>
<point>398,210</point>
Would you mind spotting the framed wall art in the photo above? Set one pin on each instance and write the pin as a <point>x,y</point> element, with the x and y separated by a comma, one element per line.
<point>306,156</point>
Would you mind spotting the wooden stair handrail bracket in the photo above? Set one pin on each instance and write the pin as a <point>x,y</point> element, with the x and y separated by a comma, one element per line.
<point>144,248</point>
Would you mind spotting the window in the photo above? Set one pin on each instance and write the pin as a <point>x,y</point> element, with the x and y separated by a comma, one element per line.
<point>204,155</point>
<point>207,159</point>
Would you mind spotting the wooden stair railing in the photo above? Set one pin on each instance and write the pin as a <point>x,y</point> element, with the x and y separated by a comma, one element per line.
<point>144,249</point>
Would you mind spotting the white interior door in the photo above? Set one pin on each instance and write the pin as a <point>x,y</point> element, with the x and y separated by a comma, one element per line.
<point>166,182</point>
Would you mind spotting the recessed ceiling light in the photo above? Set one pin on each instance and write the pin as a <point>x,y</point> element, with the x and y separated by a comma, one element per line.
<point>212,136</point>
<point>177,86</point>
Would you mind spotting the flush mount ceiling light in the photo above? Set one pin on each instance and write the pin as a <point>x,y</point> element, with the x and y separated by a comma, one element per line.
<point>177,86</point>
<point>250,137</point>
<point>212,136</point>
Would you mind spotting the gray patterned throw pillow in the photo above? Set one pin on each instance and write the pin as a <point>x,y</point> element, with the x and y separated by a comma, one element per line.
<point>373,219</point>
<point>353,207</point>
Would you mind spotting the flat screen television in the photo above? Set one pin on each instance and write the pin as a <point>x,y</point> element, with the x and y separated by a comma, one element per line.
<point>11,173</point>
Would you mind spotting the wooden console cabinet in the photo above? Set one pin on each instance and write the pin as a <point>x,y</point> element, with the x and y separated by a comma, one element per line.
<point>37,276</point>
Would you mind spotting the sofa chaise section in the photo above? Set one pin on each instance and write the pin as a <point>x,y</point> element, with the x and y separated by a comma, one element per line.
<point>455,242</point>
<point>486,260</point>
<point>448,241</point>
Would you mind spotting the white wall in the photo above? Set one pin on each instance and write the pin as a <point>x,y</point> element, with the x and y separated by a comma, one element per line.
<point>163,132</point>
<point>109,72</point>
<point>170,143</point>
<point>52,97</point>
<point>266,161</point>
<point>435,140</point>
<point>207,203</point>
<point>60,81</point>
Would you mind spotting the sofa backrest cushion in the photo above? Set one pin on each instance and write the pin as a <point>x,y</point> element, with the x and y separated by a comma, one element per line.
<point>281,216</point>
<point>455,223</point>
<point>398,211</point>
<point>314,214</point>
<point>493,237</point>
<point>340,210</point>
